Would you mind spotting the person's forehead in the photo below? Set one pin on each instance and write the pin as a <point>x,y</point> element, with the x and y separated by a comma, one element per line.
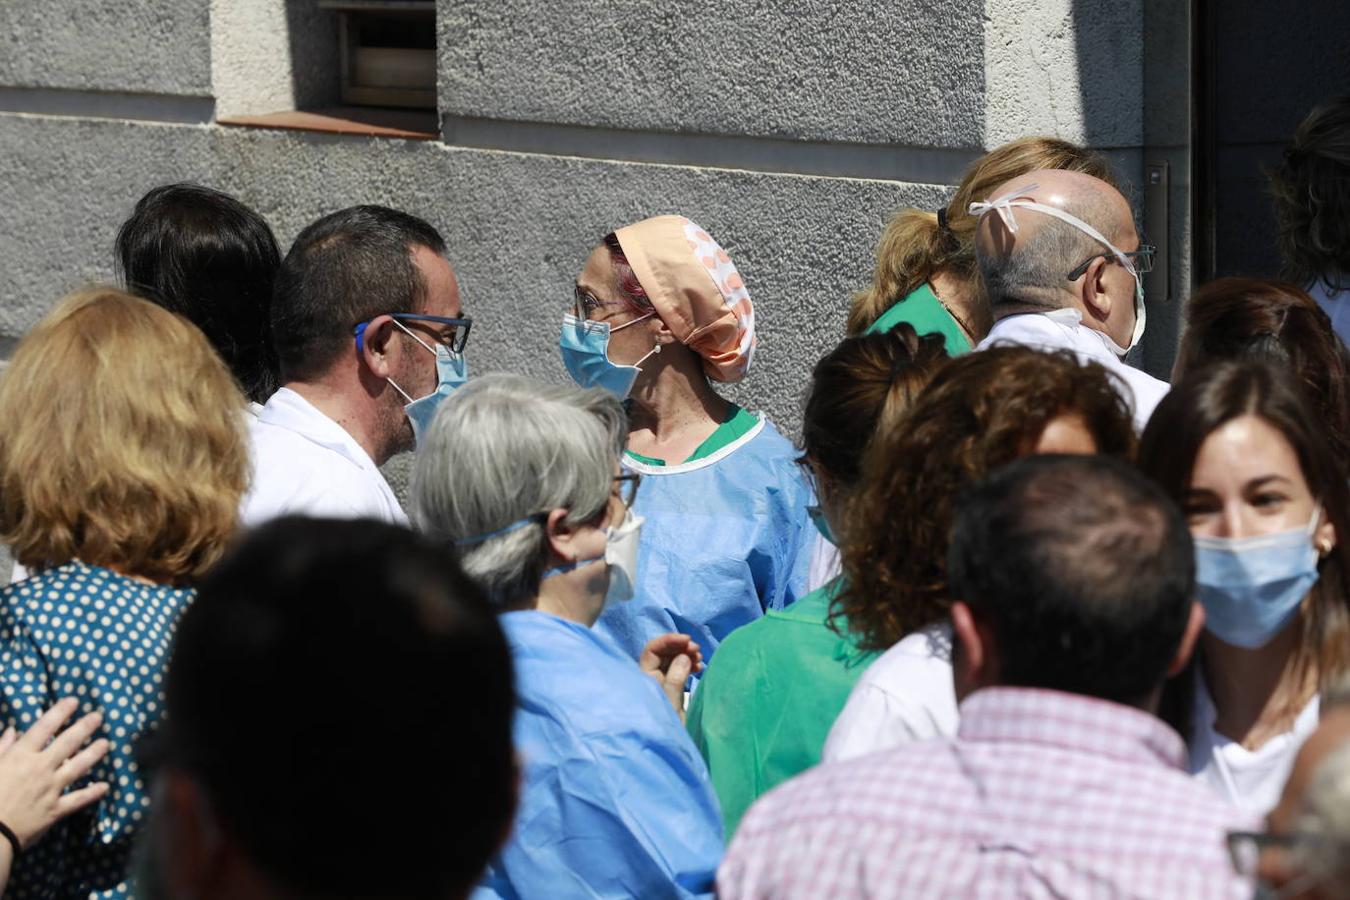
<point>442,288</point>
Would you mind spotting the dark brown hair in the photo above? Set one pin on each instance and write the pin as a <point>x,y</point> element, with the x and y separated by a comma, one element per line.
<point>1312,196</point>
<point>1196,407</point>
<point>1272,321</point>
<point>862,387</point>
<point>981,411</point>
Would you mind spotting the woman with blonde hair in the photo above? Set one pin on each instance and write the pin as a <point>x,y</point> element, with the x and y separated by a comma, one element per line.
<point>925,271</point>
<point>121,472</point>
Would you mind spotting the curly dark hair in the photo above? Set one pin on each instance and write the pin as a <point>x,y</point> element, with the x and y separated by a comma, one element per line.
<point>1311,188</point>
<point>981,411</point>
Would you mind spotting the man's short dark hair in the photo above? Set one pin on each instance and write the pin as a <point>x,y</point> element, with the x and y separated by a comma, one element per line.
<point>1082,568</point>
<point>346,268</point>
<point>211,259</point>
<point>343,694</point>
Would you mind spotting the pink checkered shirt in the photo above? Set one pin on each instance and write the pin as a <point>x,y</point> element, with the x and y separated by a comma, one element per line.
<point>1041,794</point>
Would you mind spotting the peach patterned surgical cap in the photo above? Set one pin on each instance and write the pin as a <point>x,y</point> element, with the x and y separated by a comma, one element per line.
<point>696,290</point>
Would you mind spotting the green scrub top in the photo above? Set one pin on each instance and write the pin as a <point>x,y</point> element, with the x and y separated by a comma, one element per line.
<point>737,424</point>
<point>922,309</point>
<point>765,704</point>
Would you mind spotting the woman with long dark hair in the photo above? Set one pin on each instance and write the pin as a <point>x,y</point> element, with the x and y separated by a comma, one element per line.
<point>1238,446</point>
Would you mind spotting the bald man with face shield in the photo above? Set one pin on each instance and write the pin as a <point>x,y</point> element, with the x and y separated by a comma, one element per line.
<point>1063,267</point>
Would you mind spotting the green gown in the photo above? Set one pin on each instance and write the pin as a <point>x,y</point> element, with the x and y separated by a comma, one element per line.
<point>922,309</point>
<point>765,704</point>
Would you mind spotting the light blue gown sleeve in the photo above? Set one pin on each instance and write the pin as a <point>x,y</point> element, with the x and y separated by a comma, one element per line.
<point>615,800</point>
<point>723,542</point>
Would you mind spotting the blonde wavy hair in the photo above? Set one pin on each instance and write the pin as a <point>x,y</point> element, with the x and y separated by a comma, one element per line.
<point>913,247</point>
<point>123,443</point>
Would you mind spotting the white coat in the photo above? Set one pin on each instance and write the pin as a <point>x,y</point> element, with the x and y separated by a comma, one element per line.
<point>1063,329</point>
<point>304,463</point>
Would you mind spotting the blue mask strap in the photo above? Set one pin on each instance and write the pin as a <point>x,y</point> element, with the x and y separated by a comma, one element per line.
<point>574,564</point>
<point>506,529</point>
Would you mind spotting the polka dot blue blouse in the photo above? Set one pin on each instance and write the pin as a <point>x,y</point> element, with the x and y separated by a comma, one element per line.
<point>86,632</point>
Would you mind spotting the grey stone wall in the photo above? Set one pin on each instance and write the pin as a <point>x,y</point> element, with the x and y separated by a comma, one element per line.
<point>139,46</point>
<point>791,129</point>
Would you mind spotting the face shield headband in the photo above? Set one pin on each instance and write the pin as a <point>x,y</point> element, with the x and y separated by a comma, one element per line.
<point>1005,205</point>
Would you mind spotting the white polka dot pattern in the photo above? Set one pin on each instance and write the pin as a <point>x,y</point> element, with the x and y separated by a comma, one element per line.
<point>86,632</point>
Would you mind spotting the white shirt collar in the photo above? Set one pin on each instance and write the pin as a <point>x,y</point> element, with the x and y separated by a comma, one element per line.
<point>287,409</point>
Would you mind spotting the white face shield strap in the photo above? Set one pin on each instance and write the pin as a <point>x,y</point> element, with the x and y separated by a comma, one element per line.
<point>1005,205</point>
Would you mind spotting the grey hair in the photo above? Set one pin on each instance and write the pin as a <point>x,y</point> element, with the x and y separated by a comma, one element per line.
<point>501,450</point>
<point>1325,822</point>
<point>1035,272</point>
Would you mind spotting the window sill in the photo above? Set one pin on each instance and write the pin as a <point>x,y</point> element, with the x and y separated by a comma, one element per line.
<point>395,123</point>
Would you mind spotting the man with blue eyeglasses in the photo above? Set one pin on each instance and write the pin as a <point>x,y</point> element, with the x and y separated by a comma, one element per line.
<point>370,334</point>
<point>1062,265</point>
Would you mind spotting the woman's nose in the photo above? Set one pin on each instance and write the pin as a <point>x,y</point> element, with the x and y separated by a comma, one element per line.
<point>1232,522</point>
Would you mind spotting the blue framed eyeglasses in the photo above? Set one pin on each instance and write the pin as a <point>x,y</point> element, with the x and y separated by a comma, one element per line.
<point>454,340</point>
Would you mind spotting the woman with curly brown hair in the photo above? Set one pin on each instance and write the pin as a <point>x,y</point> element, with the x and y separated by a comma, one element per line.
<point>925,270</point>
<point>1312,209</point>
<point>983,410</point>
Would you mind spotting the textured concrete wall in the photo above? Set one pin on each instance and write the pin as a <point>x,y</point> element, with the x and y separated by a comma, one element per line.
<point>872,71</point>
<point>272,55</point>
<point>519,226</point>
<point>143,46</point>
<point>1064,67</point>
<point>739,100</point>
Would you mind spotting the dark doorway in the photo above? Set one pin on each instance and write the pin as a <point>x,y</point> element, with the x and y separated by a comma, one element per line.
<point>1258,67</point>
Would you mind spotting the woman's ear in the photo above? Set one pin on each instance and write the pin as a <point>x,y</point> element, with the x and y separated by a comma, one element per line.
<point>1324,538</point>
<point>662,331</point>
<point>561,537</point>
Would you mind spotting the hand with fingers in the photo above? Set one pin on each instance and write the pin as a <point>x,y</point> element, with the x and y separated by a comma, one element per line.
<point>671,659</point>
<point>38,766</point>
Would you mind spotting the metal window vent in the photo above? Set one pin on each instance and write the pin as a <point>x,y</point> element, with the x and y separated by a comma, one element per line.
<point>388,52</point>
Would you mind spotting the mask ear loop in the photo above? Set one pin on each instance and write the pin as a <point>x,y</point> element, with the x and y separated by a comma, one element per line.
<point>1005,204</point>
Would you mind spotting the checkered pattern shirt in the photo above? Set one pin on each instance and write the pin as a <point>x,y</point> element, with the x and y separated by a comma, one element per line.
<point>1041,794</point>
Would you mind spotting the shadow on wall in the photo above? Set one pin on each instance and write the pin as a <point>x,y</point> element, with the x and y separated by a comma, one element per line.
<point>312,34</point>
<point>1134,94</point>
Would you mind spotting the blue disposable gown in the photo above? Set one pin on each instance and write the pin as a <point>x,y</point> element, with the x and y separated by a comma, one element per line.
<point>726,538</point>
<point>615,800</point>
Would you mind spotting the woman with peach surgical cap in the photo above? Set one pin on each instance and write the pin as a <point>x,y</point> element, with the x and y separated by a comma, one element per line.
<point>661,312</point>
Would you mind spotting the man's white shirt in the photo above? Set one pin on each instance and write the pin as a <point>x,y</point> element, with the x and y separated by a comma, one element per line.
<point>304,463</point>
<point>1063,329</point>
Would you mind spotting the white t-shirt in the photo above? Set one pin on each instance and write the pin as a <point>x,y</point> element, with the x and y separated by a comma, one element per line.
<point>305,463</point>
<point>1062,329</point>
<point>905,695</point>
<point>825,564</point>
<point>1251,780</point>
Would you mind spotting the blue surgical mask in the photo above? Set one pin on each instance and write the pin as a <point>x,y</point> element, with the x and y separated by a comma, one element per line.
<point>585,352</point>
<point>452,370</point>
<point>1251,587</point>
<point>822,524</point>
